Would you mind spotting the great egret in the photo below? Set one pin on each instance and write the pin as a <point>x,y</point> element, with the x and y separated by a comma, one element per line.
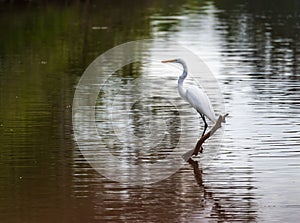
<point>194,95</point>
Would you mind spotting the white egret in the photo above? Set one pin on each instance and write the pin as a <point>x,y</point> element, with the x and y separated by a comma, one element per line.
<point>194,95</point>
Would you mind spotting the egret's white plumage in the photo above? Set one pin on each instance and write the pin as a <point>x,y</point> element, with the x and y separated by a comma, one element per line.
<point>194,95</point>
<point>200,101</point>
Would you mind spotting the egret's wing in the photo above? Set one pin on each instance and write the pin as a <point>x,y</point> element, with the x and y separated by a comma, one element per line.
<point>200,101</point>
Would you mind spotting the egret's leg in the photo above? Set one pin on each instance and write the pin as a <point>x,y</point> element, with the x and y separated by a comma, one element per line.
<point>205,124</point>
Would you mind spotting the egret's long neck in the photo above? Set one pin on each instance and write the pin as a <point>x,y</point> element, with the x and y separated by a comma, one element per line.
<point>181,90</point>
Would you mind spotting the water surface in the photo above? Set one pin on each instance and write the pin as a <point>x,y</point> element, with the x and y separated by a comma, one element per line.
<point>252,48</point>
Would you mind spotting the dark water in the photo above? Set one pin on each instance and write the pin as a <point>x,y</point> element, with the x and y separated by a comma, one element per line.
<point>251,47</point>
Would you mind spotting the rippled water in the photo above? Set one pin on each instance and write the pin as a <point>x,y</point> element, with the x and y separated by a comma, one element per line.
<point>252,49</point>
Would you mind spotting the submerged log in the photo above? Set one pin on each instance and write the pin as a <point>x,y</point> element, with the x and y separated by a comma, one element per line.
<point>198,148</point>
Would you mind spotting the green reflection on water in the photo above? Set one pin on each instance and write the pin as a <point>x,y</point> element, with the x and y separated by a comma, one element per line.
<point>44,48</point>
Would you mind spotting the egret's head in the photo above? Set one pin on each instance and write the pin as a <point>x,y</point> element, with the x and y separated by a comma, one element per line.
<point>171,61</point>
<point>178,60</point>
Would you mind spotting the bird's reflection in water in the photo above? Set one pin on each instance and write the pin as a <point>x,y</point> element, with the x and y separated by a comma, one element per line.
<point>209,203</point>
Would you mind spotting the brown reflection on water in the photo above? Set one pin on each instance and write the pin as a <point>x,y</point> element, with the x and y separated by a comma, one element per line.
<point>184,197</point>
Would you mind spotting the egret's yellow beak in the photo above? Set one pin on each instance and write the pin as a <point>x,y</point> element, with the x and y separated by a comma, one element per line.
<point>167,61</point>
